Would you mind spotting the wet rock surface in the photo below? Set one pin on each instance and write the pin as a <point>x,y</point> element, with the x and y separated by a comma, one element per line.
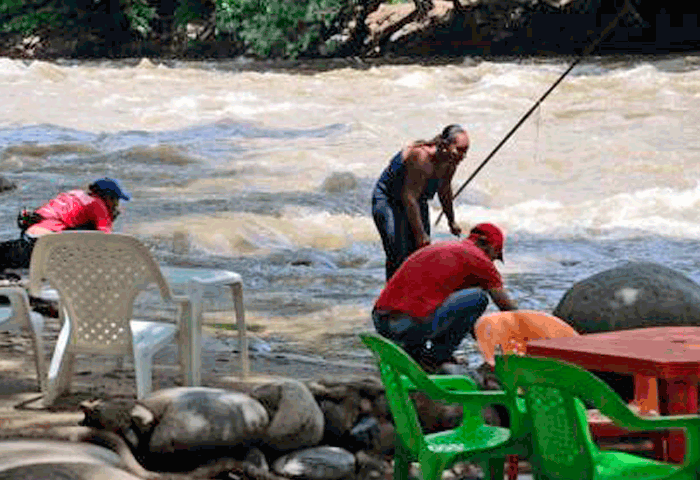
<point>296,421</point>
<point>191,420</point>
<point>635,295</point>
<point>6,184</point>
<point>320,463</point>
<point>359,445</point>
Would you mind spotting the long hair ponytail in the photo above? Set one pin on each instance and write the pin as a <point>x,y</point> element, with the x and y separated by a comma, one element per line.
<point>444,138</point>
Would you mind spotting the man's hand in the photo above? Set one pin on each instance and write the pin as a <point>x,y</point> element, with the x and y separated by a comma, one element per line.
<point>502,300</point>
<point>423,241</point>
<point>455,229</point>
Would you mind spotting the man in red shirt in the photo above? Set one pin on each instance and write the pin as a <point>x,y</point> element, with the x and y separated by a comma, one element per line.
<point>95,209</point>
<point>436,296</point>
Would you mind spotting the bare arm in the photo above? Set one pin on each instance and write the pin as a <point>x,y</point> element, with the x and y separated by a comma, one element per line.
<point>418,171</point>
<point>445,195</point>
<point>502,300</point>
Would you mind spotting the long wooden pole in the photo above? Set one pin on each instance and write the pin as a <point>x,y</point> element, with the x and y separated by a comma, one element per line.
<point>588,50</point>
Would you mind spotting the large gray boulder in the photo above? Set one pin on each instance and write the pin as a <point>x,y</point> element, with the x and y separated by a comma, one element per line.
<point>296,420</point>
<point>635,295</point>
<point>34,459</point>
<point>67,470</point>
<point>192,418</point>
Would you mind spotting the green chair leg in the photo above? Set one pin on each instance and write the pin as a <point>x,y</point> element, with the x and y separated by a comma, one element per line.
<point>432,468</point>
<point>496,468</point>
<point>402,460</point>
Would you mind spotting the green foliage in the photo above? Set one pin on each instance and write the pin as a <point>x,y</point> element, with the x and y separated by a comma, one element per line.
<point>188,10</point>
<point>264,28</point>
<point>139,14</point>
<point>10,7</point>
<point>23,17</point>
<point>277,28</point>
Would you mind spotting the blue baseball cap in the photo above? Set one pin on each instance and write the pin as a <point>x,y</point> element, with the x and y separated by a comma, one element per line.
<point>109,185</point>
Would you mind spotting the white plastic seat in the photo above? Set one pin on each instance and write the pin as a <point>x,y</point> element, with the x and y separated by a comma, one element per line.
<point>97,277</point>
<point>198,287</point>
<point>22,315</point>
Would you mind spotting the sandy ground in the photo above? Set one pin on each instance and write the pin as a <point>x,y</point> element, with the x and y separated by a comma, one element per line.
<point>297,353</point>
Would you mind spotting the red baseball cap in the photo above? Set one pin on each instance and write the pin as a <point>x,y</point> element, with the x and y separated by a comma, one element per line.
<point>492,234</point>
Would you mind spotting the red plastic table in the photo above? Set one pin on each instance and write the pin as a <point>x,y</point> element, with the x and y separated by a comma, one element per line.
<point>667,358</point>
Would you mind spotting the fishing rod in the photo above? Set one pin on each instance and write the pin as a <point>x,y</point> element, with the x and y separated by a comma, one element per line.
<point>588,50</point>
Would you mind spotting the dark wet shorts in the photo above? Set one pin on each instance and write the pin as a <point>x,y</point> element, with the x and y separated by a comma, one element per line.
<point>16,253</point>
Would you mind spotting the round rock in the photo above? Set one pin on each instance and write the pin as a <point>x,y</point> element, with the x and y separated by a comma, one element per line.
<point>635,295</point>
<point>319,463</point>
<point>66,471</point>
<point>296,420</point>
<point>6,184</point>
<point>33,459</point>
<point>195,417</point>
<point>338,182</point>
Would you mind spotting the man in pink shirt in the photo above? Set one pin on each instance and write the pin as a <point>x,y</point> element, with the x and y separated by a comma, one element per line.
<point>95,209</point>
<point>436,296</point>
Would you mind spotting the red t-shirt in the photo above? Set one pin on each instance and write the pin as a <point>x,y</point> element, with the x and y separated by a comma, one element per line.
<point>75,208</point>
<point>433,273</point>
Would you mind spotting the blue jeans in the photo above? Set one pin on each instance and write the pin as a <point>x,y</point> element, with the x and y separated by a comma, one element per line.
<point>450,323</point>
<point>395,230</point>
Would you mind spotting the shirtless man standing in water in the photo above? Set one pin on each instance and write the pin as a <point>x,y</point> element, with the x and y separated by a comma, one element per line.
<point>400,197</point>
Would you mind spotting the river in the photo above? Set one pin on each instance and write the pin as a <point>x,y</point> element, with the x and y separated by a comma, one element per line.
<point>269,173</point>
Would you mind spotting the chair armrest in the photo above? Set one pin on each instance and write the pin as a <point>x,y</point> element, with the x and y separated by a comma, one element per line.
<point>690,424</point>
<point>482,398</point>
<point>454,382</point>
<point>660,423</point>
<point>447,388</point>
<point>446,382</point>
<point>469,395</point>
<point>19,301</point>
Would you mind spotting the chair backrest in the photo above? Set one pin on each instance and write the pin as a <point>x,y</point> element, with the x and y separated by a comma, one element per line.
<point>393,364</point>
<point>554,392</point>
<point>512,330</point>
<point>97,276</point>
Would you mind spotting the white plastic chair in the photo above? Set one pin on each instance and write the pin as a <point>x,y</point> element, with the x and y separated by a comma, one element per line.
<point>32,322</point>
<point>193,348</point>
<point>98,277</point>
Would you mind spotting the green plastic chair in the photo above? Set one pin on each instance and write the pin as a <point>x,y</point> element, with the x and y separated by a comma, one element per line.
<point>562,446</point>
<point>473,441</point>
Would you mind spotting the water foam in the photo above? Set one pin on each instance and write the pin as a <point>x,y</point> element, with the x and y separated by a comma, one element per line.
<point>414,80</point>
<point>233,234</point>
<point>10,67</point>
<point>660,211</point>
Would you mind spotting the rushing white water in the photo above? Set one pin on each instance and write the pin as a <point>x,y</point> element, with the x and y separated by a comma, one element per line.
<point>230,165</point>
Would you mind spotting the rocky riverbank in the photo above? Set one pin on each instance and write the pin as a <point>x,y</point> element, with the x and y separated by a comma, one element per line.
<point>445,28</point>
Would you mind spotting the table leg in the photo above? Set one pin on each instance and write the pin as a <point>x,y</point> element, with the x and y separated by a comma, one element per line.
<point>193,373</point>
<point>681,397</point>
<point>512,470</point>
<point>646,394</point>
<point>242,333</point>
<point>646,399</point>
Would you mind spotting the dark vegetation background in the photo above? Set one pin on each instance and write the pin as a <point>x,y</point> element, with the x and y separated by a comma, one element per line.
<point>292,29</point>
